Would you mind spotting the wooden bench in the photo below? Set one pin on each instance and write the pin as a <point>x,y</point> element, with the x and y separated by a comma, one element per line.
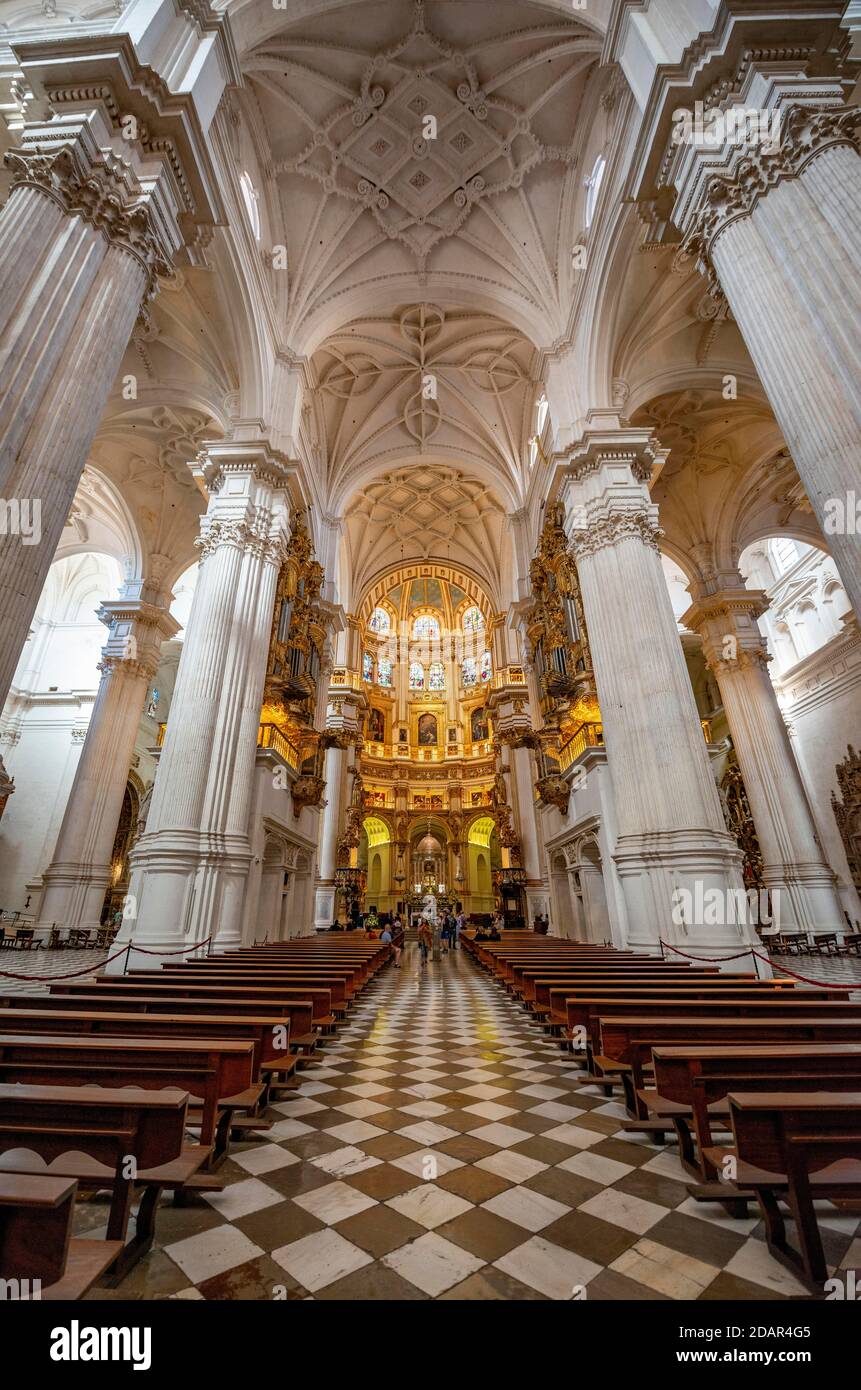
<point>564,1003</point>
<point>258,987</point>
<point>797,1149</point>
<point>120,1140</point>
<point>299,1013</point>
<point>269,1037</point>
<point>627,1042</point>
<point>37,1251</point>
<point>217,1073</point>
<point>224,994</point>
<point>692,1083</point>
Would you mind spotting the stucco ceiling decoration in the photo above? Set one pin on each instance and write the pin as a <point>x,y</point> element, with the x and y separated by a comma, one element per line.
<point>371,150</point>
<point>422,513</point>
<point>359,165</point>
<point>389,388</point>
<point>729,478</point>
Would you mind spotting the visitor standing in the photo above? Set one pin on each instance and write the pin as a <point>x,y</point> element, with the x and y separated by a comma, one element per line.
<point>425,940</point>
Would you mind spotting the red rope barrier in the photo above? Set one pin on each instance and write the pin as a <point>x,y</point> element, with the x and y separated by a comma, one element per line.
<point>89,969</point>
<point>784,969</point>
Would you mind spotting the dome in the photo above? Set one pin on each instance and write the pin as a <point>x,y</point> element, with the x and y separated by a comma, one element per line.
<point>429,845</point>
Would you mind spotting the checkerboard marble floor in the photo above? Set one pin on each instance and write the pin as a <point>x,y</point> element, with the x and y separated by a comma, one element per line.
<point>442,1148</point>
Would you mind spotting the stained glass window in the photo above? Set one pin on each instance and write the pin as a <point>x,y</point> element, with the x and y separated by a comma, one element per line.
<point>436,676</point>
<point>380,622</point>
<point>384,671</point>
<point>417,676</point>
<point>469,672</point>
<point>486,668</point>
<point>367,667</point>
<point>426,628</point>
<point>473,620</point>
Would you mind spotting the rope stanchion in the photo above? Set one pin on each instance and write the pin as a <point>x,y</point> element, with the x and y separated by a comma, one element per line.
<point>89,969</point>
<point>784,969</point>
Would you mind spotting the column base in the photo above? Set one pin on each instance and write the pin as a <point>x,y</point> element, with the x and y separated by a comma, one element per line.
<point>185,888</point>
<point>73,896</point>
<point>325,905</point>
<point>804,898</point>
<point>684,889</point>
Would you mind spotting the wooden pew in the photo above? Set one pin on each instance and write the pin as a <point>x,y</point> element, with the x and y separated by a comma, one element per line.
<point>796,1149</point>
<point>692,1083</point>
<point>217,1073</point>
<point>260,987</point>
<point>626,1042</point>
<point>231,995</point>
<point>298,1013</point>
<point>37,1250</point>
<point>269,1037</point>
<point>594,1016</point>
<point>725,987</point>
<point>89,1133</point>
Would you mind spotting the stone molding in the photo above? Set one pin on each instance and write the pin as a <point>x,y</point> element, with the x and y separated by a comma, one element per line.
<point>807,132</point>
<point>96,187</point>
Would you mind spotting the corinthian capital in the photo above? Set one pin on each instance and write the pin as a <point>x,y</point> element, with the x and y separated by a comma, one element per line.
<point>67,166</point>
<point>615,527</point>
<point>806,133</point>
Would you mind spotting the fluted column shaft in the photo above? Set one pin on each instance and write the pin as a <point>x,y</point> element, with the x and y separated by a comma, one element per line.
<point>78,254</point>
<point>79,874</point>
<point>189,869</point>
<point>802,886</point>
<point>673,852</point>
<point>781,236</point>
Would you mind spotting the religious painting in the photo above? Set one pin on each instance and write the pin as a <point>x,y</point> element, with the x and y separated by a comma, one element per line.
<point>427,730</point>
<point>480,729</point>
<point>377,726</point>
<point>403,736</point>
<point>452,735</point>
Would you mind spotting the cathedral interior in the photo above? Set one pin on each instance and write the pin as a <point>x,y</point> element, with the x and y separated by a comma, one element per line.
<point>430,485</point>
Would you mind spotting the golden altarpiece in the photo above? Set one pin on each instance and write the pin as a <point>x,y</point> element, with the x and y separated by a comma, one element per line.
<point>293,670</point>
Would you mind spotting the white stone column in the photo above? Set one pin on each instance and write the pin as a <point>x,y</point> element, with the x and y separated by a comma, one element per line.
<point>80,870</point>
<point>803,887</point>
<point>673,852</point>
<point>325,904</point>
<point>189,869</point>
<point>778,233</point>
<point>69,312</point>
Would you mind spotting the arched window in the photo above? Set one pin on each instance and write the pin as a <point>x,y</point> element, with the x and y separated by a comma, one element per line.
<point>380,622</point>
<point>436,676</point>
<point>417,676</point>
<point>542,407</point>
<point>486,669</point>
<point>473,620</point>
<point>469,672</point>
<point>426,628</point>
<point>249,197</point>
<point>593,187</point>
<point>367,667</point>
<point>384,671</point>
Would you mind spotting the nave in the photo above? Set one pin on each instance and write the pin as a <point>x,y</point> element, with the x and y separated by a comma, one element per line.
<point>537,1192</point>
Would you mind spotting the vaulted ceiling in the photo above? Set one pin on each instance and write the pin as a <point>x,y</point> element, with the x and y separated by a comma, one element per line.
<point>421,513</point>
<point>413,141</point>
<point>420,384</point>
